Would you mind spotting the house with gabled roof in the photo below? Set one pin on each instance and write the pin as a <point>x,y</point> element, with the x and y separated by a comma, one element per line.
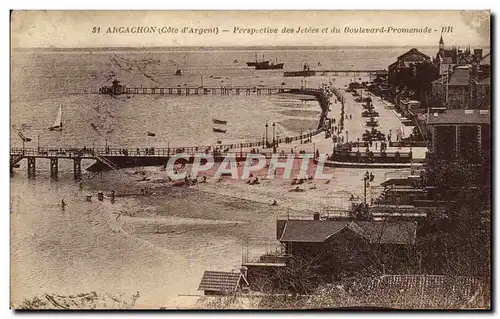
<point>348,245</point>
<point>454,88</point>
<point>222,282</point>
<point>406,61</point>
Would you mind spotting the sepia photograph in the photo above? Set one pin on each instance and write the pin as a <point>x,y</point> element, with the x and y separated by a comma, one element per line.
<point>250,160</point>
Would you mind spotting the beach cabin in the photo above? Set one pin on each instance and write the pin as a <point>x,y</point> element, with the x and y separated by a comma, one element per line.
<point>222,282</point>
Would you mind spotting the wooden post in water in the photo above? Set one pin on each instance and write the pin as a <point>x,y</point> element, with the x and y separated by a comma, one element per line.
<point>53,167</point>
<point>31,167</point>
<point>77,168</point>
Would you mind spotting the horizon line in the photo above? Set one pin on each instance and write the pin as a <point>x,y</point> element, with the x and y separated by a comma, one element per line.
<point>254,47</point>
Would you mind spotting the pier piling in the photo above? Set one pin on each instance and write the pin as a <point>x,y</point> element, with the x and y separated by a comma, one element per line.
<point>77,168</point>
<point>31,167</point>
<point>53,167</point>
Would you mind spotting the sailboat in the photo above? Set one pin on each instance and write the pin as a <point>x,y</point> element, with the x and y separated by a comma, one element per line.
<point>58,125</point>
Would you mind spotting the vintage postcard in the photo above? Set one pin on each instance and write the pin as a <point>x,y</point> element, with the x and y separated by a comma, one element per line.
<point>250,160</point>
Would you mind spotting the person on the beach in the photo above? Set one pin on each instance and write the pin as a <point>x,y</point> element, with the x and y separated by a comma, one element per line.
<point>63,204</point>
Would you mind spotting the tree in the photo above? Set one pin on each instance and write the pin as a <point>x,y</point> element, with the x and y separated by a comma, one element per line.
<point>458,242</point>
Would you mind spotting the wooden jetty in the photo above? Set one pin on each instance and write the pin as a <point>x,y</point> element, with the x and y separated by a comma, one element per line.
<point>200,90</point>
<point>115,158</point>
<point>332,72</point>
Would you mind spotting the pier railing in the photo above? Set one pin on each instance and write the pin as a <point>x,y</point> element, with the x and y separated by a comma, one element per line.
<point>137,152</point>
<point>152,151</point>
<point>197,90</point>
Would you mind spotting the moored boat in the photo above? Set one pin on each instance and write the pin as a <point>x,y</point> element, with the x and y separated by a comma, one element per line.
<point>218,130</point>
<point>216,121</point>
<point>269,65</point>
<point>254,64</point>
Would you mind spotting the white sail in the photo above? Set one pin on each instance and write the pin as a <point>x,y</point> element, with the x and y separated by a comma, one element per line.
<point>58,122</point>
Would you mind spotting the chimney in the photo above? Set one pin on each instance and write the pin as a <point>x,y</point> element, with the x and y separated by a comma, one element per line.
<point>316,216</point>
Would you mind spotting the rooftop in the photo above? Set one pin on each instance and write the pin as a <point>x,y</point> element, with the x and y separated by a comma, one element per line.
<point>378,232</point>
<point>413,55</point>
<point>458,77</point>
<point>220,281</point>
<point>460,116</point>
<point>486,60</point>
<point>410,292</point>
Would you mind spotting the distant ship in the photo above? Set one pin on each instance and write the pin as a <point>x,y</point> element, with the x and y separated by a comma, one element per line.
<point>254,64</point>
<point>269,65</point>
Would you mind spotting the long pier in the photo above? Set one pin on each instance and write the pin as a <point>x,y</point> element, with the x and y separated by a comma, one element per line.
<point>200,90</point>
<point>332,72</point>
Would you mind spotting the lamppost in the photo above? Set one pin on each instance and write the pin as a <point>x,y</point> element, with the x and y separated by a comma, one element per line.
<point>267,126</point>
<point>367,178</point>
<point>346,136</point>
<point>358,144</point>
<point>274,137</point>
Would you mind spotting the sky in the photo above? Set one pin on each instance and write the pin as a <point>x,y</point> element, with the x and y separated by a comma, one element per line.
<point>73,29</point>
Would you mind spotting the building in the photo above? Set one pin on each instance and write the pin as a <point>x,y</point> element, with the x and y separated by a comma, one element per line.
<point>401,191</point>
<point>482,93</point>
<point>222,282</point>
<point>445,58</point>
<point>484,62</point>
<point>343,247</point>
<point>464,80</point>
<point>460,134</point>
<point>406,63</point>
<point>454,89</point>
